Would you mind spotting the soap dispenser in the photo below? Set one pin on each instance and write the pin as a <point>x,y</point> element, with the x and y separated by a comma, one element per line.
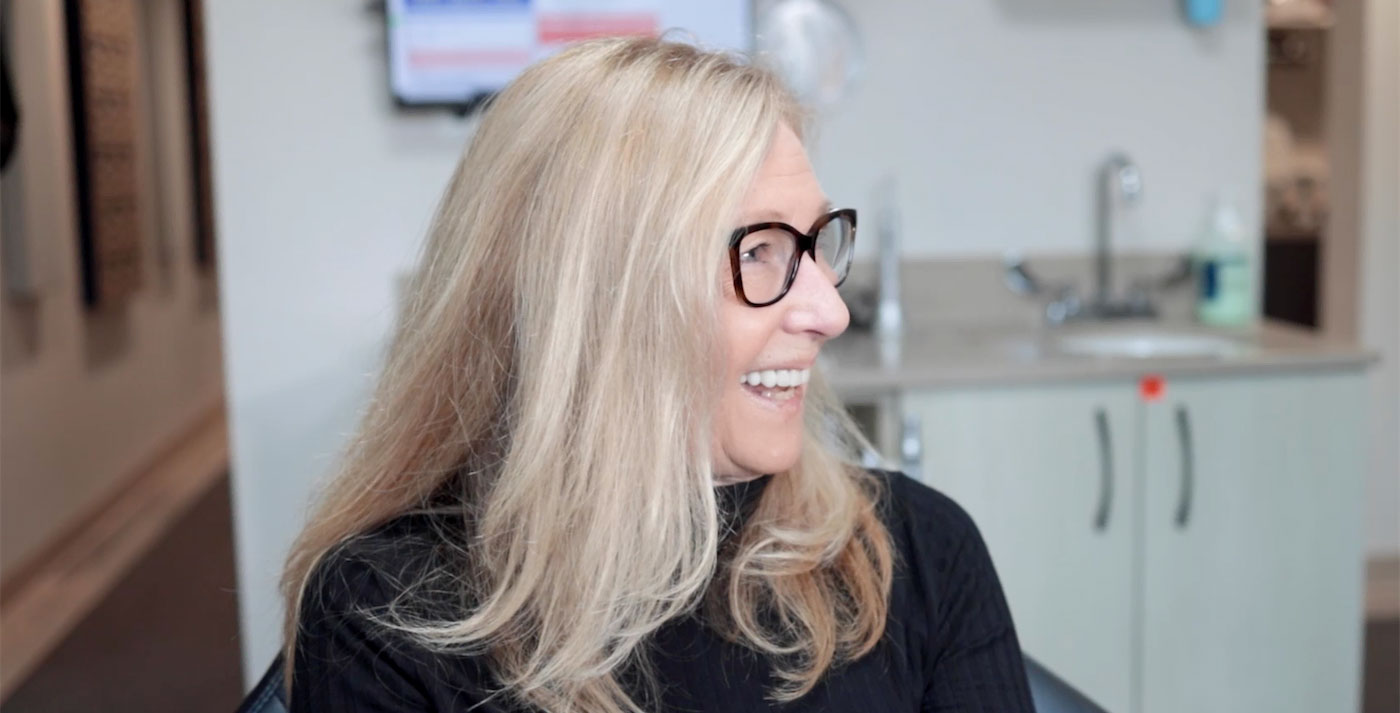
<point>1224,270</point>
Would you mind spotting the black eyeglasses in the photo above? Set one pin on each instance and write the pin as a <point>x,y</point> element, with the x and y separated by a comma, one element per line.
<point>765,256</point>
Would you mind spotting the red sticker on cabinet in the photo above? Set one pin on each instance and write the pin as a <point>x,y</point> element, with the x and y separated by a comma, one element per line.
<point>1152,388</point>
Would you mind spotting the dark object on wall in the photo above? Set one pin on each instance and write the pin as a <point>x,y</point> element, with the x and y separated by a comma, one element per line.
<point>1291,270</point>
<point>9,111</point>
<point>199,133</point>
<point>102,81</point>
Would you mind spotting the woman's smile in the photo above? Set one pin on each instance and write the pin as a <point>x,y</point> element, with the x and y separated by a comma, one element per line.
<point>779,389</point>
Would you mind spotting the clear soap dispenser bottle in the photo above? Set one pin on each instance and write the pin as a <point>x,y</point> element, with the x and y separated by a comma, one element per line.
<point>1225,270</point>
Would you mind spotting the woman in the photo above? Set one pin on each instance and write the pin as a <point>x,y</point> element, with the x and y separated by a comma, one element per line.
<point>595,476</point>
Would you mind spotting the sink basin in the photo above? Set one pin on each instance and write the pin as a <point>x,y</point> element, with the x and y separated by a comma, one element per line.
<point>1145,344</point>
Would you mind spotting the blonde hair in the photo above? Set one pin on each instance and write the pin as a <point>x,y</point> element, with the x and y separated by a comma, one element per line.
<point>556,370</point>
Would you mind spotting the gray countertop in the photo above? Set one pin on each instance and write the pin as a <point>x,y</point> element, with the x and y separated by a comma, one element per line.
<point>953,355</point>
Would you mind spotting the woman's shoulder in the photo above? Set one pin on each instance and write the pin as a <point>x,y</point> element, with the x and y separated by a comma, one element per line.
<point>372,570</point>
<point>910,507</point>
<point>351,648</point>
<point>940,550</point>
<point>947,597</point>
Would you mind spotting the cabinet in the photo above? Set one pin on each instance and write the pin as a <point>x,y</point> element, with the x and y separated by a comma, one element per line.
<point>1198,552</point>
<point>1045,473</point>
<point>1252,541</point>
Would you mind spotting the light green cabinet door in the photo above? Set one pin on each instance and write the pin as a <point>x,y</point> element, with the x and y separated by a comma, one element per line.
<point>1047,474</point>
<point>1252,527</point>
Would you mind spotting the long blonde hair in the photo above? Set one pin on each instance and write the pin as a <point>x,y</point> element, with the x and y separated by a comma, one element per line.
<point>556,369</point>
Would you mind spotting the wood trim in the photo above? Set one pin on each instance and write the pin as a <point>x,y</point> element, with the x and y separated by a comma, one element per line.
<point>49,595</point>
<point>1383,588</point>
<point>1343,125</point>
<point>18,575</point>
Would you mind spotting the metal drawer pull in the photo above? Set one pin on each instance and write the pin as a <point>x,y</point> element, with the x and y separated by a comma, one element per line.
<point>1188,467</point>
<point>1105,470</point>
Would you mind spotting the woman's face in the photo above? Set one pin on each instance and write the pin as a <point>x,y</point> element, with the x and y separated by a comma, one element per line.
<point>759,429</point>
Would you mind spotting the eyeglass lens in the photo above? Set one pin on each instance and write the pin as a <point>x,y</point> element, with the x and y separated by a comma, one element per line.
<point>766,258</point>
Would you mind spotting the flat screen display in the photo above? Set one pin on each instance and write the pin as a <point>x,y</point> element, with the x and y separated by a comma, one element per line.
<point>448,52</point>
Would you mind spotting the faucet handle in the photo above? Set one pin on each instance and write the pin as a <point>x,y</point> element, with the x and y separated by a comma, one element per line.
<point>1018,277</point>
<point>1061,300</point>
<point>1066,306</point>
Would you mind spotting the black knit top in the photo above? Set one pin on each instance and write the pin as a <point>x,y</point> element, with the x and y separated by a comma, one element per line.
<point>949,643</point>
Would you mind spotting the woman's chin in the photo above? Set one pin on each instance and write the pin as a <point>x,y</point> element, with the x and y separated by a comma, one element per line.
<point>758,439</point>
<point>765,460</point>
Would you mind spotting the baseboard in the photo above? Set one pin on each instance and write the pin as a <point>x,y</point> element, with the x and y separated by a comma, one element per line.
<point>1383,587</point>
<point>50,593</point>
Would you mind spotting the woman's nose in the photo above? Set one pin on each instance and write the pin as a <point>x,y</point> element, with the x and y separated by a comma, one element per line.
<point>813,304</point>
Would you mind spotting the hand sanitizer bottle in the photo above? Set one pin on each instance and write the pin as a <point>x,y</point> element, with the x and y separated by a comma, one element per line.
<point>1224,270</point>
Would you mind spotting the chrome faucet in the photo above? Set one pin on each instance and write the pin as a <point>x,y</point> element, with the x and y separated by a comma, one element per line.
<point>1120,186</point>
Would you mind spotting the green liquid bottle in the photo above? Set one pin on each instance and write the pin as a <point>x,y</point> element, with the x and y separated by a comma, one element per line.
<point>1224,271</point>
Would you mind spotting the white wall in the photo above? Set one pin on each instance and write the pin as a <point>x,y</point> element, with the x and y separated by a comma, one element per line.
<point>322,192</point>
<point>994,114</point>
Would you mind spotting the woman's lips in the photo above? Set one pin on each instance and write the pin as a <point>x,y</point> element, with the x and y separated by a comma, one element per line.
<point>782,399</point>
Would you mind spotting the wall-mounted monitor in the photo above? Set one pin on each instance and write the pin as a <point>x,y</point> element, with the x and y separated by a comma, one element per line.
<point>449,52</point>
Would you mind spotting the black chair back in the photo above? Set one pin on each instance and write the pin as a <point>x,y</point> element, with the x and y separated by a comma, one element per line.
<point>1053,695</point>
<point>270,695</point>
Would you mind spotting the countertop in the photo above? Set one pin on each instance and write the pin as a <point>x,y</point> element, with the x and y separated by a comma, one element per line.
<point>952,355</point>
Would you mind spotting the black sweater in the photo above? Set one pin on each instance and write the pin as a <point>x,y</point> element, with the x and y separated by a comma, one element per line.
<point>949,643</point>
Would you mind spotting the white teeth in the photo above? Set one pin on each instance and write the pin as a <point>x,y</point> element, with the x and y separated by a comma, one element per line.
<point>779,378</point>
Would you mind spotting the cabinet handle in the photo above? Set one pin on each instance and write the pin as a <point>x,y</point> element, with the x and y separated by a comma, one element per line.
<point>1188,467</point>
<point>1105,470</point>
<point>911,447</point>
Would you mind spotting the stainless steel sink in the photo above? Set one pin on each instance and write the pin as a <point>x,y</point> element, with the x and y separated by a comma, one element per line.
<point>1146,344</point>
